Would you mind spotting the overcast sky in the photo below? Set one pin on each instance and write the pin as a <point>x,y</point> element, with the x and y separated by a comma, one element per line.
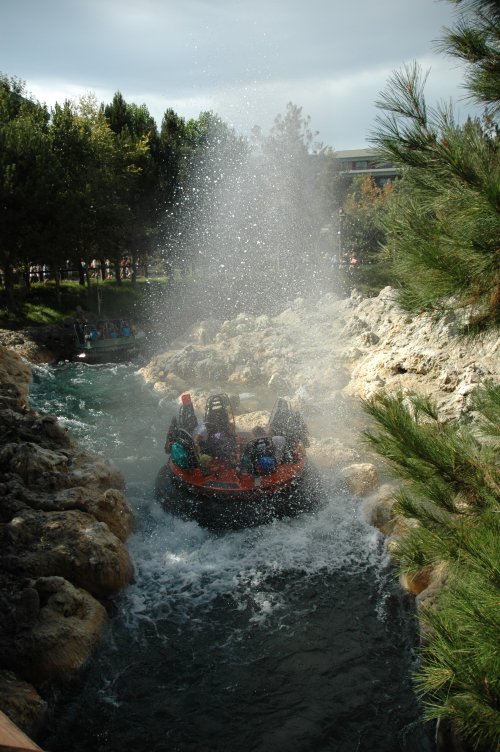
<point>243,59</point>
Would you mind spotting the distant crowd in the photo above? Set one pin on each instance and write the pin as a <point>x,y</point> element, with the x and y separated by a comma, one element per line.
<point>96,269</point>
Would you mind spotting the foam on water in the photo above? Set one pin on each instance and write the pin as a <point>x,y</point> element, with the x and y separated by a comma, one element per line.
<point>195,567</point>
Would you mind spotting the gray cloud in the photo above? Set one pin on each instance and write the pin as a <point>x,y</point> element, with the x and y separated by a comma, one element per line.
<point>243,58</point>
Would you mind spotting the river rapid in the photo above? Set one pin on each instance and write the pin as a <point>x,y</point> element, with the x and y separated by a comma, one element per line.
<point>292,636</point>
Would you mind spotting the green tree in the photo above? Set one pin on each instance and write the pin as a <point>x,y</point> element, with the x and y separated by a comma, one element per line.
<point>452,489</point>
<point>72,199</point>
<point>171,156</point>
<point>364,209</point>
<point>444,225</point>
<point>25,176</point>
<point>475,41</point>
<point>137,143</point>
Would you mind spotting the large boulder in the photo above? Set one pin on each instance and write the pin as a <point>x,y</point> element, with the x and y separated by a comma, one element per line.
<point>71,544</point>
<point>54,631</point>
<point>360,478</point>
<point>107,506</point>
<point>35,464</point>
<point>28,426</point>
<point>20,701</point>
<point>328,452</point>
<point>15,379</point>
<point>379,508</point>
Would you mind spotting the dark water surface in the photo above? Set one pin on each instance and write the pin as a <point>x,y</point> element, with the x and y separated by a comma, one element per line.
<point>288,637</point>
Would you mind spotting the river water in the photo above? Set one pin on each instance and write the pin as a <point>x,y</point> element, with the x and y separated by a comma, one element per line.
<point>289,637</point>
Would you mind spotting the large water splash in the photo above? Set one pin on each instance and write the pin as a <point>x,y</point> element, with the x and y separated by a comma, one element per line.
<point>246,233</point>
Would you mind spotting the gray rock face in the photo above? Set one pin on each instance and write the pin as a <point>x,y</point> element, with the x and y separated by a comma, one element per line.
<point>329,347</point>
<point>57,627</point>
<point>41,344</point>
<point>21,702</point>
<point>63,523</point>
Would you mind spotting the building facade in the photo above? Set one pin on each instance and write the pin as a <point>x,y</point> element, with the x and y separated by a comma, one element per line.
<point>354,162</point>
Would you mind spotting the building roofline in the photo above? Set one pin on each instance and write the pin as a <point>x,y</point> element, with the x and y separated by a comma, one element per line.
<point>373,171</point>
<point>350,153</point>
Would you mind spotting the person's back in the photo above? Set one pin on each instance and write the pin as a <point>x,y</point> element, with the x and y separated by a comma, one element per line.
<point>221,445</point>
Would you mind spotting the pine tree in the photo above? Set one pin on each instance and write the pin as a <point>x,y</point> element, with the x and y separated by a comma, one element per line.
<point>475,41</point>
<point>452,489</point>
<point>444,227</point>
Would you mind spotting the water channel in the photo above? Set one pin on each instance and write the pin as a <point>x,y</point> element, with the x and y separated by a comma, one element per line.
<point>289,637</point>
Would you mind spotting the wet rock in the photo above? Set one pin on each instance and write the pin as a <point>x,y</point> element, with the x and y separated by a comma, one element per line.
<point>331,453</point>
<point>379,509</point>
<point>205,331</point>
<point>34,464</point>
<point>21,703</point>
<point>63,520</point>
<point>61,639</point>
<point>360,478</point>
<point>108,506</point>
<point>24,344</point>
<point>16,378</point>
<point>71,544</point>
<point>30,427</point>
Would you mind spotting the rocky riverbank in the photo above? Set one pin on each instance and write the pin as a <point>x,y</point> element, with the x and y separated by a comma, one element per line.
<point>63,523</point>
<point>40,344</point>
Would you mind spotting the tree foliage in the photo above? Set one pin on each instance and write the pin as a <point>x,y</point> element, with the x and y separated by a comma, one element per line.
<point>475,41</point>
<point>25,177</point>
<point>92,181</point>
<point>444,226</point>
<point>362,221</point>
<point>452,489</point>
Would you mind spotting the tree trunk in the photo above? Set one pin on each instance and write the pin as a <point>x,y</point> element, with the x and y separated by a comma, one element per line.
<point>26,277</point>
<point>9,288</point>
<point>118,278</point>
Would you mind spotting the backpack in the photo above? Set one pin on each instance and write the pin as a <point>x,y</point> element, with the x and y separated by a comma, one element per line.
<point>179,455</point>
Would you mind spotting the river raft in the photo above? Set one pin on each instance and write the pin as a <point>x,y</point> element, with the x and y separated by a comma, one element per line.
<point>225,478</point>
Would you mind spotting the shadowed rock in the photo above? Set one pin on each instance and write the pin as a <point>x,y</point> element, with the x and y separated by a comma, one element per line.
<point>63,523</point>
